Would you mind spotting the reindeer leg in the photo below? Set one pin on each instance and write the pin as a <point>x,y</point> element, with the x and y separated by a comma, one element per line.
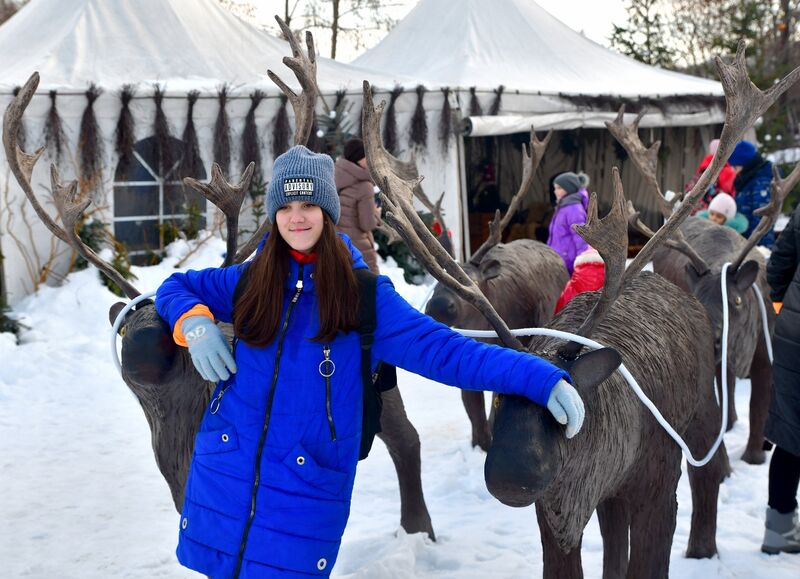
<point>653,515</point>
<point>760,380</point>
<point>557,564</point>
<point>615,522</point>
<point>402,441</point>
<point>732,417</point>
<point>476,411</point>
<point>705,480</point>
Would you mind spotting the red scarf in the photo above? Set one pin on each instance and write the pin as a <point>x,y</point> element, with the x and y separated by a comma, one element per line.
<point>303,258</point>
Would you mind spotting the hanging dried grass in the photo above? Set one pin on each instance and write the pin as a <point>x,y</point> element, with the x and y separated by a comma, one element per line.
<point>164,153</point>
<point>315,141</point>
<point>191,163</point>
<point>124,135</point>
<point>251,147</point>
<point>475,109</point>
<point>498,101</point>
<point>90,144</point>
<point>22,134</point>
<point>280,130</point>
<point>54,135</point>
<point>222,132</point>
<point>390,141</point>
<point>445,120</point>
<point>418,136</point>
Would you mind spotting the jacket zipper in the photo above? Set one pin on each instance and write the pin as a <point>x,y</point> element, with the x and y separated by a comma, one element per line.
<point>328,372</point>
<point>263,439</point>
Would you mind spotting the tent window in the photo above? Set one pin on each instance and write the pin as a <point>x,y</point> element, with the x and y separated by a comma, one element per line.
<point>150,201</point>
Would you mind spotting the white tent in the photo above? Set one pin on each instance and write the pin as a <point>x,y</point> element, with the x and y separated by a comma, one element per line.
<point>180,45</point>
<point>551,77</point>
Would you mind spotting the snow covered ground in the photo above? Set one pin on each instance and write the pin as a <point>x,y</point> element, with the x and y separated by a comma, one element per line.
<point>82,497</point>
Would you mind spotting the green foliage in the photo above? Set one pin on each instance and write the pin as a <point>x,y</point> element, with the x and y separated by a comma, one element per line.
<point>122,264</point>
<point>645,37</point>
<point>194,220</point>
<point>338,127</point>
<point>9,323</point>
<point>413,272</point>
<point>93,233</point>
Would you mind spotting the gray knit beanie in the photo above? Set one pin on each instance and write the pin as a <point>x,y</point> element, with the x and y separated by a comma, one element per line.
<point>302,175</point>
<point>570,182</point>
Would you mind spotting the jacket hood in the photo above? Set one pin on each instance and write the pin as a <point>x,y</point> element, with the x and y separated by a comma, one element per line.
<point>347,173</point>
<point>580,196</point>
<point>358,259</point>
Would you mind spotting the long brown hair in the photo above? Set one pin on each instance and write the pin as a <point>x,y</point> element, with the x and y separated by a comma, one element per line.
<point>257,313</point>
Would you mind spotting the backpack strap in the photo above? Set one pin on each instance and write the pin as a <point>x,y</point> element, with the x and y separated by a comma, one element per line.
<point>372,404</point>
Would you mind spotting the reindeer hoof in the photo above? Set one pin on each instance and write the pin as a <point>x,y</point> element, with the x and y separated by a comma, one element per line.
<point>701,551</point>
<point>484,442</point>
<point>754,456</point>
<point>419,525</point>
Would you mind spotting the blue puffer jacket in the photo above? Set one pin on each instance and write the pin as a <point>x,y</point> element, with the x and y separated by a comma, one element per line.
<point>268,493</point>
<point>753,190</point>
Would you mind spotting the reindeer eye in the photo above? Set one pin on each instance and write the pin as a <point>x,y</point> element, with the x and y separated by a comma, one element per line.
<point>738,300</point>
<point>122,331</point>
<point>496,402</point>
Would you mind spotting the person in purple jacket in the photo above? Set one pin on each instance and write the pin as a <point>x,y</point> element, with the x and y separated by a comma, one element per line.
<point>572,199</point>
<point>269,488</point>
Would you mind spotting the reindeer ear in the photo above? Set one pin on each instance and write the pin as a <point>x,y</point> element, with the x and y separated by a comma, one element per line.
<point>114,311</point>
<point>746,275</point>
<point>490,268</point>
<point>692,276</point>
<point>591,368</point>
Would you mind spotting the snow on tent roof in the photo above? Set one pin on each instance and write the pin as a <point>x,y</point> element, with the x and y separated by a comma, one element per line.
<point>183,44</point>
<point>516,43</point>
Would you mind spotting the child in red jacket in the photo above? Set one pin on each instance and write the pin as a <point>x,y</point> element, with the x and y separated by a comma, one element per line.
<point>588,275</point>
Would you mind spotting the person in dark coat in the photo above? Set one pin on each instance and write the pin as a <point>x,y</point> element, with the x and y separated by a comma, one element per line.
<point>271,478</point>
<point>782,533</point>
<point>360,214</point>
<point>752,184</point>
<point>572,200</point>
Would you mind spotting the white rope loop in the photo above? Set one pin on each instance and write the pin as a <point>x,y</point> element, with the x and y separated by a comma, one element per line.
<point>118,323</point>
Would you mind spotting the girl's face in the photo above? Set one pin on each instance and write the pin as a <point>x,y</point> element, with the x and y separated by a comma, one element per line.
<point>559,190</point>
<point>300,225</point>
<point>717,218</point>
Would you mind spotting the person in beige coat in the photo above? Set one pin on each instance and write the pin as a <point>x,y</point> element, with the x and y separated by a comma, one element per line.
<point>360,215</point>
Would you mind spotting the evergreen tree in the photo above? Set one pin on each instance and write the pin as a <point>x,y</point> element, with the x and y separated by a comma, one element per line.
<point>645,36</point>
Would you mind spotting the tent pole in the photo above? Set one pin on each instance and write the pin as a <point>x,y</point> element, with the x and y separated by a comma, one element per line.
<point>462,186</point>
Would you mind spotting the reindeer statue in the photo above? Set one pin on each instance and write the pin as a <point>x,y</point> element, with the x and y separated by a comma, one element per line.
<point>522,280</point>
<point>693,261</point>
<point>624,465</point>
<point>171,393</point>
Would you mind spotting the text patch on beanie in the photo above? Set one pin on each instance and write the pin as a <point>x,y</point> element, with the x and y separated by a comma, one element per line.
<point>298,186</point>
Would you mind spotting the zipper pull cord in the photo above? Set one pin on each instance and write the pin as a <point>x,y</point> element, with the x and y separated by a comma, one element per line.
<point>327,368</point>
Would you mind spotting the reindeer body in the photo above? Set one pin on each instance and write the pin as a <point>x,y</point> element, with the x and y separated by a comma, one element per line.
<point>747,351</point>
<point>623,463</point>
<point>522,280</point>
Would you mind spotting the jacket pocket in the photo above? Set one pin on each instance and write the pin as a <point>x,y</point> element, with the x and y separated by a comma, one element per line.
<point>301,463</point>
<point>216,441</point>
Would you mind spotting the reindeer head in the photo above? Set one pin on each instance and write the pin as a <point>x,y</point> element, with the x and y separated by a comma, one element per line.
<point>528,446</point>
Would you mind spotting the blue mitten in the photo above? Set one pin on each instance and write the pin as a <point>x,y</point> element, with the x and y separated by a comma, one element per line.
<point>209,349</point>
<point>566,406</point>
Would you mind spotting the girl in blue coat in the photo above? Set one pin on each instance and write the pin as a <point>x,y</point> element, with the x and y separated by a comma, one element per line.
<point>268,493</point>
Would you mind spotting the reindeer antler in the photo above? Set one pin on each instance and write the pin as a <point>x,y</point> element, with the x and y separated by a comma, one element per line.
<point>305,69</point>
<point>397,193</point>
<point>228,198</point>
<point>530,162</point>
<point>769,213</point>
<point>645,158</point>
<point>70,210</point>
<point>679,243</point>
